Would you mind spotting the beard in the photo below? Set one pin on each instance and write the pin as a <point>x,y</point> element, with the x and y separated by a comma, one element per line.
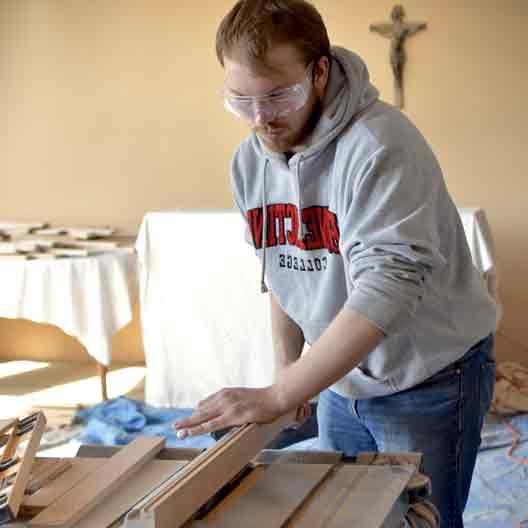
<point>285,136</point>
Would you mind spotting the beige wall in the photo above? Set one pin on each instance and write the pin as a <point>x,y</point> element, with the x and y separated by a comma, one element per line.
<point>108,109</point>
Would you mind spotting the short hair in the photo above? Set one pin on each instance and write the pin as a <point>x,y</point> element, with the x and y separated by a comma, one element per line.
<point>254,26</point>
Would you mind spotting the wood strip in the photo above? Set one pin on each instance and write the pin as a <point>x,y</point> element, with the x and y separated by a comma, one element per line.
<point>390,459</point>
<point>23,474</point>
<point>209,472</point>
<point>183,454</point>
<point>75,503</point>
<point>273,499</point>
<point>280,456</point>
<point>80,469</point>
<point>46,474</point>
<point>120,501</point>
<point>354,495</point>
<point>5,425</point>
<point>205,458</point>
<point>10,447</point>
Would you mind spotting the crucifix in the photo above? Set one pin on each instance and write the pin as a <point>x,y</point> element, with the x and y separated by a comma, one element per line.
<point>397,32</point>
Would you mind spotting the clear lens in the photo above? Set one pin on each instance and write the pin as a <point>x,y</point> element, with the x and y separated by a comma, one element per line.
<point>269,107</point>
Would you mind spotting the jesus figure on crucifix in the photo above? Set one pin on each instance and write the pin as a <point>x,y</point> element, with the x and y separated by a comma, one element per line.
<point>398,31</point>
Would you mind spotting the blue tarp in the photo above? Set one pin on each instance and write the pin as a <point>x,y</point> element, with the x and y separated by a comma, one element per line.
<point>119,421</point>
<point>499,490</point>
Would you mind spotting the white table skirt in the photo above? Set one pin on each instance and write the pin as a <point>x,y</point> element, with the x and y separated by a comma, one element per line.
<point>89,298</point>
<point>482,247</point>
<point>205,323</point>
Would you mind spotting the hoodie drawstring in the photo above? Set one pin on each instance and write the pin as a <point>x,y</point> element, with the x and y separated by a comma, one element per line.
<point>302,231</point>
<point>263,287</point>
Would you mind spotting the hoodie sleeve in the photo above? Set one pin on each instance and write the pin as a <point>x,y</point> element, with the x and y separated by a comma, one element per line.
<point>389,237</point>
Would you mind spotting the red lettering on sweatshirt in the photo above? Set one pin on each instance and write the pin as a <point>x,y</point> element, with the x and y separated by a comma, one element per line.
<point>321,227</point>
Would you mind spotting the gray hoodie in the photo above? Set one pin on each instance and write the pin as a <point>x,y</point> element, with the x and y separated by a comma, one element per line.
<point>360,217</point>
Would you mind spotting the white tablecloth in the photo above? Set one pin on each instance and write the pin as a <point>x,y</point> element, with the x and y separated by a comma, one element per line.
<point>480,241</point>
<point>89,298</point>
<point>205,323</point>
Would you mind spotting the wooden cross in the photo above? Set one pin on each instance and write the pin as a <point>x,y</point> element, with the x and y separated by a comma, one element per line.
<point>397,32</point>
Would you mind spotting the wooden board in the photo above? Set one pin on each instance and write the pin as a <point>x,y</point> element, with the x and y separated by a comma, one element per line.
<point>45,471</point>
<point>121,500</point>
<point>211,470</point>
<point>272,500</point>
<point>74,504</point>
<point>390,459</point>
<point>79,470</point>
<point>182,454</point>
<point>358,496</point>
<point>294,456</point>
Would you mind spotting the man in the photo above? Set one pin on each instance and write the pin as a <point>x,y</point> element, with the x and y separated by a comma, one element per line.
<point>363,253</point>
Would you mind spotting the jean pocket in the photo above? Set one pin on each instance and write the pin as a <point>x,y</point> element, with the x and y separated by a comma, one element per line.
<point>486,385</point>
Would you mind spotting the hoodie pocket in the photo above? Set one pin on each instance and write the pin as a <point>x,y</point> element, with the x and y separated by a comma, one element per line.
<point>364,373</point>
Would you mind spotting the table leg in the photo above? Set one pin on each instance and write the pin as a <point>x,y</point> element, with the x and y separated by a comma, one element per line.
<point>102,370</point>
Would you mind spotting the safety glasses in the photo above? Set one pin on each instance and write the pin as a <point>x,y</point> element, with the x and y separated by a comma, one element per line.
<point>270,106</point>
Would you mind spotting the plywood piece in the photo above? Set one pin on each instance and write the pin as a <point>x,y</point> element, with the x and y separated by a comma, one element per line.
<point>75,503</point>
<point>354,495</point>
<point>211,470</point>
<point>273,499</point>
<point>120,501</point>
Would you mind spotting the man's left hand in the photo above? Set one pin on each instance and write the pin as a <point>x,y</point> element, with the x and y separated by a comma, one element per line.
<point>230,407</point>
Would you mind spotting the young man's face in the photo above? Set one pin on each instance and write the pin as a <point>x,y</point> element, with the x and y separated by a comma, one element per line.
<point>284,68</point>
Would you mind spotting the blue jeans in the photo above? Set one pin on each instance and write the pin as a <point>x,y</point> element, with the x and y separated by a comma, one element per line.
<point>441,418</point>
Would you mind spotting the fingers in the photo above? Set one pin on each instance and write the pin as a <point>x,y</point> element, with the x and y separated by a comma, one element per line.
<point>211,414</point>
<point>229,407</point>
<point>202,428</point>
<point>194,420</point>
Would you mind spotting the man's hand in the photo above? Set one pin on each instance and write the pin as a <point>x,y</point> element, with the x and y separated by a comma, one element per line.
<point>230,407</point>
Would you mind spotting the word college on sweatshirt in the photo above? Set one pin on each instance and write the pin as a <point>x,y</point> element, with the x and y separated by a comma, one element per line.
<point>321,232</point>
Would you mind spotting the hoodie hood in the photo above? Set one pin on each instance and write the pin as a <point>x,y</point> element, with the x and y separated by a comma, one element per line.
<point>348,93</point>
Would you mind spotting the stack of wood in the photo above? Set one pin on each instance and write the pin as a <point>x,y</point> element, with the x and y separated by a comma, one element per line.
<point>234,483</point>
<point>15,470</point>
<point>39,240</point>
